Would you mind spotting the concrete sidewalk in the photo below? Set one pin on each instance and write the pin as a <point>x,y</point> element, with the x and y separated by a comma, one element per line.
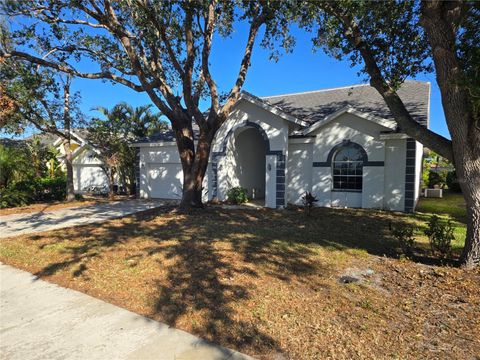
<point>19,224</point>
<point>40,320</point>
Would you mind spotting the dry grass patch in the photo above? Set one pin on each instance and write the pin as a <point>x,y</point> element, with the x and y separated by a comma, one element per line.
<point>267,282</point>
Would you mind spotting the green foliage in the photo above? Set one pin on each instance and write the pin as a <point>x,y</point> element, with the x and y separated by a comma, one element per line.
<point>436,178</point>
<point>452,182</point>
<point>33,190</point>
<point>111,135</point>
<point>308,201</point>
<point>237,195</point>
<point>405,236</point>
<point>11,198</point>
<point>15,165</point>
<point>390,28</point>
<point>440,236</point>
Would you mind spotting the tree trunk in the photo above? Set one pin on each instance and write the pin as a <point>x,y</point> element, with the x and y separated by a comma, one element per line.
<point>194,162</point>
<point>66,142</point>
<point>111,180</point>
<point>439,20</point>
<point>69,166</point>
<point>470,184</point>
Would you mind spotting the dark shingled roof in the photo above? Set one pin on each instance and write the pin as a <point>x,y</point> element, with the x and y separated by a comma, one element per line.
<point>166,135</point>
<point>313,106</point>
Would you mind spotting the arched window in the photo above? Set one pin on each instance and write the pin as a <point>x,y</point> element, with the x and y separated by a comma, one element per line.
<point>347,168</point>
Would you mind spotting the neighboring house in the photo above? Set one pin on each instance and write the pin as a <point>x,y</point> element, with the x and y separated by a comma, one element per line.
<point>340,144</point>
<point>87,168</point>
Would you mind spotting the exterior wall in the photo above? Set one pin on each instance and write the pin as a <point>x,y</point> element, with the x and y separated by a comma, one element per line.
<point>87,172</point>
<point>160,161</point>
<point>299,171</point>
<point>418,170</point>
<point>160,172</point>
<point>274,131</point>
<point>365,133</point>
<point>394,185</point>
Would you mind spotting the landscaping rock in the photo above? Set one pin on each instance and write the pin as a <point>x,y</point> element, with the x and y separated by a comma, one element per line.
<point>348,279</point>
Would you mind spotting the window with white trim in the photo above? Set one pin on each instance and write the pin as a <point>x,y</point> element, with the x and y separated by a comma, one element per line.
<point>347,169</point>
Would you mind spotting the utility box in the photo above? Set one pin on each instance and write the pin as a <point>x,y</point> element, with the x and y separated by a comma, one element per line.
<point>433,193</point>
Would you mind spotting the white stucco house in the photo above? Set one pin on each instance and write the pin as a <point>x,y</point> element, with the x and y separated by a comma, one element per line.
<point>340,144</point>
<point>87,168</point>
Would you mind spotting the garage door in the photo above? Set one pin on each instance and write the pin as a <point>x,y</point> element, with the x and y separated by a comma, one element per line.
<point>85,176</point>
<point>165,180</point>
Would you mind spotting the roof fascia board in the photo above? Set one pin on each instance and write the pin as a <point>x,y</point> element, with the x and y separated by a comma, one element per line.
<point>393,136</point>
<point>153,144</point>
<point>271,108</point>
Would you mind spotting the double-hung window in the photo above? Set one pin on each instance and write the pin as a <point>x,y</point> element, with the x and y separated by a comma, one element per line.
<point>347,169</point>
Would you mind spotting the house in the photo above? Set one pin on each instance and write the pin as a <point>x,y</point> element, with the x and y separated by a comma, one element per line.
<point>341,144</point>
<point>87,168</point>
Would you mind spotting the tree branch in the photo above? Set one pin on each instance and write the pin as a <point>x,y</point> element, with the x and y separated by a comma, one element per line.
<point>245,64</point>
<point>412,128</point>
<point>68,70</point>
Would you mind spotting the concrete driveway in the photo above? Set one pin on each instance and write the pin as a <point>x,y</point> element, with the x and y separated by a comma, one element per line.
<point>19,224</point>
<point>40,320</point>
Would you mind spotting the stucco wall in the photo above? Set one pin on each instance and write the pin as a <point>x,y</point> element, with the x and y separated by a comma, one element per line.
<point>87,171</point>
<point>364,133</point>
<point>418,170</point>
<point>299,171</point>
<point>394,184</point>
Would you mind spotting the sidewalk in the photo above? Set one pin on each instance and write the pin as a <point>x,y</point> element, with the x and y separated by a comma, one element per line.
<point>39,320</point>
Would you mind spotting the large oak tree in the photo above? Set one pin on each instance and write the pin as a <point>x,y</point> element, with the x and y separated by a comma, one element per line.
<point>162,48</point>
<point>394,40</point>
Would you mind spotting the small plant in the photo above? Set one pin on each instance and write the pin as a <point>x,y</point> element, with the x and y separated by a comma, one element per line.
<point>440,236</point>
<point>308,201</point>
<point>237,195</point>
<point>404,235</point>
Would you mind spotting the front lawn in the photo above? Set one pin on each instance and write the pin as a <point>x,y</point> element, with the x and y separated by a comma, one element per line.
<point>451,207</point>
<point>268,283</point>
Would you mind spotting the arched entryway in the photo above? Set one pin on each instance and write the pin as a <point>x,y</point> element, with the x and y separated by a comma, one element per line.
<point>249,162</point>
<point>229,161</point>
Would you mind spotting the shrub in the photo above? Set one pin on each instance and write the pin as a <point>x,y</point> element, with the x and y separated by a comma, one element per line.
<point>308,201</point>
<point>237,195</point>
<point>11,198</point>
<point>452,182</point>
<point>404,235</point>
<point>34,190</point>
<point>440,236</point>
<point>51,189</point>
<point>435,178</point>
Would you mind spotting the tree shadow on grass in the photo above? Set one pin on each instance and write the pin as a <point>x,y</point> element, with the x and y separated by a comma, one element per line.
<point>210,252</point>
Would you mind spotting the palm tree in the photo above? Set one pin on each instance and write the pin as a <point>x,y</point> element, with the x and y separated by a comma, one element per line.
<point>14,165</point>
<point>112,136</point>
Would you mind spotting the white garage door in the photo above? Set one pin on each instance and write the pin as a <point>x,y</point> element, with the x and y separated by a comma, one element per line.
<point>85,176</point>
<point>165,180</point>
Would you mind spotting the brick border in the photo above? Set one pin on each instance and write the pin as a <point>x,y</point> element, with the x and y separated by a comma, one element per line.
<point>410,159</point>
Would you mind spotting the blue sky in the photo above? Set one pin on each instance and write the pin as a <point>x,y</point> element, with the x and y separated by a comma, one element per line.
<point>302,70</point>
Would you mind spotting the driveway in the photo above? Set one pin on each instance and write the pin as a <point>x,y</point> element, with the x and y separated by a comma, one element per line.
<point>40,320</point>
<point>19,224</point>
